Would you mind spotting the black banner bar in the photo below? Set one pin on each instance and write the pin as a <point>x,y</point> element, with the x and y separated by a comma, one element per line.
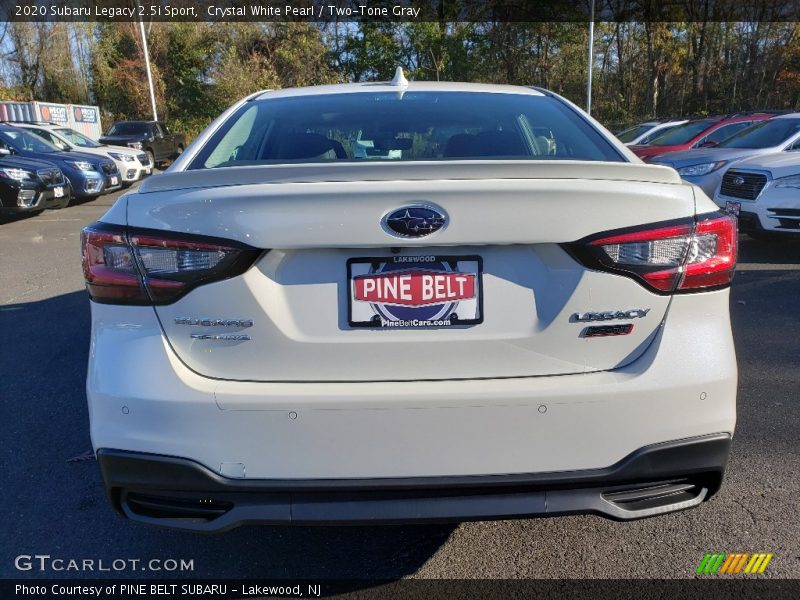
<point>401,10</point>
<point>716,587</point>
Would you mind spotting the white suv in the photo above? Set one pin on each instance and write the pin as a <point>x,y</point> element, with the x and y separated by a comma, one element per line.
<point>483,327</point>
<point>133,165</point>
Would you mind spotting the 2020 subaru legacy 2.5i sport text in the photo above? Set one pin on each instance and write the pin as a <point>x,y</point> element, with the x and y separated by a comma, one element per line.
<point>497,312</point>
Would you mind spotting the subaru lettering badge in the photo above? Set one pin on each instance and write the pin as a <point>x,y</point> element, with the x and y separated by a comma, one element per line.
<point>414,220</point>
<point>738,180</point>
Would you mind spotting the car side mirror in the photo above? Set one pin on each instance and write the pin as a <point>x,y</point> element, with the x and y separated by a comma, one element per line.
<point>708,144</point>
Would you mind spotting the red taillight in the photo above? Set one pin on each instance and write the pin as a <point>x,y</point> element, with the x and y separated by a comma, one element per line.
<point>713,268</point>
<point>144,267</point>
<point>670,257</point>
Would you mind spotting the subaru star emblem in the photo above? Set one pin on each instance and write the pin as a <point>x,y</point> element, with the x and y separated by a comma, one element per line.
<point>415,220</point>
<point>738,180</point>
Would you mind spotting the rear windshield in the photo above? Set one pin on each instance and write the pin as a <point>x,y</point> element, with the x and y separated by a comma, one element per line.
<point>681,134</point>
<point>764,135</point>
<point>659,132</point>
<point>630,134</point>
<point>415,126</point>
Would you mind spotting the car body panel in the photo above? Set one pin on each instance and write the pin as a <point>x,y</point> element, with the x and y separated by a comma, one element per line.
<point>295,293</point>
<point>776,210</point>
<point>414,428</point>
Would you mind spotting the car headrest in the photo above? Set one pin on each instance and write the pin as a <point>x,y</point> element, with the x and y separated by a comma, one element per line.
<point>310,145</point>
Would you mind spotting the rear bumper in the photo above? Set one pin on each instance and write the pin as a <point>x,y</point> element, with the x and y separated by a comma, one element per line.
<point>180,493</point>
<point>423,450</point>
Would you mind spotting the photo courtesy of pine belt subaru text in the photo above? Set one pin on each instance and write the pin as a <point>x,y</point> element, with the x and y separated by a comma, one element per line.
<point>408,302</point>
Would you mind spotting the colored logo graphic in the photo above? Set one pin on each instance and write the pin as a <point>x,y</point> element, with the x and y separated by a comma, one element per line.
<point>84,114</point>
<point>732,563</point>
<point>53,112</point>
<point>414,221</point>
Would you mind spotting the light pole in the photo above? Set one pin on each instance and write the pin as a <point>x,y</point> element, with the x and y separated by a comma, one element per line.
<point>591,60</point>
<point>147,66</point>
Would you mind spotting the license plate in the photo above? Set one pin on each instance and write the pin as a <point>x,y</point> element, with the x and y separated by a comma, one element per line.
<point>401,292</point>
<point>114,180</point>
<point>58,192</point>
<point>148,170</point>
<point>733,208</point>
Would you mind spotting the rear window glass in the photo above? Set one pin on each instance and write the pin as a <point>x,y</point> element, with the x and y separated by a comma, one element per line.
<point>634,132</point>
<point>681,134</point>
<point>764,134</point>
<point>415,126</point>
<point>651,136</point>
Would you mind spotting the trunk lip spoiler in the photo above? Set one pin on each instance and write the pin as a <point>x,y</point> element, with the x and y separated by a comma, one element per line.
<point>357,172</point>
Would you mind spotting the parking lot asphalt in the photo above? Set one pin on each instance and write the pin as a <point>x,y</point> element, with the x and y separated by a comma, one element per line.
<point>54,504</point>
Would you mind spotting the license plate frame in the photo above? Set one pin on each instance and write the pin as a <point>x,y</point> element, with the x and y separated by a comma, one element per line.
<point>389,316</point>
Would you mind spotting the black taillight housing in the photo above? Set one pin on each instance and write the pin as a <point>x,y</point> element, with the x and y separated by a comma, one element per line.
<point>124,265</point>
<point>685,255</point>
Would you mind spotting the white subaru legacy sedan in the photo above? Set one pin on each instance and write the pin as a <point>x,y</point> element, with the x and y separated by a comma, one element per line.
<point>494,311</point>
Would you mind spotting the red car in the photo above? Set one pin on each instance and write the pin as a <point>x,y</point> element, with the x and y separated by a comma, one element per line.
<point>697,133</point>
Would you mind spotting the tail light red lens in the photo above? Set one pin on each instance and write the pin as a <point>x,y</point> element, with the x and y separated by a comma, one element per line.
<point>124,266</point>
<point>679,256</point>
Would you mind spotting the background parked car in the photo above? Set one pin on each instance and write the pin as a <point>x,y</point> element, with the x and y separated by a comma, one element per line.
<point>88,175</point>
<point>28,185</point>
<point>151,136</point>
<point>133,165</point>
<point>697,132</point>
<point>764,192</point>
<point>649,130</point>
<point>705,166</point>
